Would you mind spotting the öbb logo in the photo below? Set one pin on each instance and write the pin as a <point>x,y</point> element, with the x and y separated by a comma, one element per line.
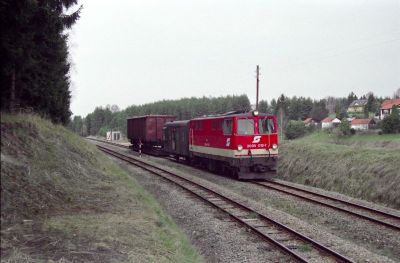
<point>256,139</point>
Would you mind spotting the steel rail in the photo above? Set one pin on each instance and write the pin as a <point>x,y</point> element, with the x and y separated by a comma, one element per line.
<point>108,142</point>
<point>214,198</point>
<point>361,207</point>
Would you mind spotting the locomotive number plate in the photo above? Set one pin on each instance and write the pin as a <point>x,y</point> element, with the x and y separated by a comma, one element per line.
<point>260,145</point>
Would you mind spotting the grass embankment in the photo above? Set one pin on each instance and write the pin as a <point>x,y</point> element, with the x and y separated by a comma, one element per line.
<point>363,166</point>
<point>63,200</point>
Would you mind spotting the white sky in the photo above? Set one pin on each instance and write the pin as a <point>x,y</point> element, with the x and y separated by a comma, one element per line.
<point>129,52</point>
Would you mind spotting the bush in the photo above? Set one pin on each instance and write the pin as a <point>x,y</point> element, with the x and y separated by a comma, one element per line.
<point>344,127</point>
<point>352,131</point>
<point>102,132</point>
<point>295,129</point>
<point>391,124</point>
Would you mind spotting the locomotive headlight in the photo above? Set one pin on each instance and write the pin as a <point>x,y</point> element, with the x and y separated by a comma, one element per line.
<point>255,113</point>
<point>240,147</point>
<point>274,146</point>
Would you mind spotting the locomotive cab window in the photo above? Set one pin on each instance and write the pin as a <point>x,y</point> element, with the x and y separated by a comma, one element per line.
<point>266,126</point>
<point>214,124</point>
<point>228,125</point>
<point>245,127</point>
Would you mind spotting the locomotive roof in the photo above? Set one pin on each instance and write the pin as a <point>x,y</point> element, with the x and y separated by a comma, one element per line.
<point>246,114</point>
<point>150,116</point>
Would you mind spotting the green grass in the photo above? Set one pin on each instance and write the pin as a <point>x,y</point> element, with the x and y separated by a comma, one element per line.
<point>360,166</point>
<point>79,204</point>
<point>325,137</point>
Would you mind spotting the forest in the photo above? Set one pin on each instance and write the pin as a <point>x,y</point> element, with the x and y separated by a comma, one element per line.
<point>285,108</point>
<point>34,72</point>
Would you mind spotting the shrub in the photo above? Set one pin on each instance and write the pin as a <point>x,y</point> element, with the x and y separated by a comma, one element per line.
<point>295,129</point>
<point>391,123</point>
<point>344,127</point>
<point>102,132</point>
<point>352,131</point>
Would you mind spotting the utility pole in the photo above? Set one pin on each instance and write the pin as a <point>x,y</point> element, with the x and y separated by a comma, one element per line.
<point>258,81</point>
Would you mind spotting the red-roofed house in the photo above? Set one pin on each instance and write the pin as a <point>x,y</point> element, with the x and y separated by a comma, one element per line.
<point>386,107</point>
<point>309,122</point>
<point>362,124</point>
<point>329,123</point>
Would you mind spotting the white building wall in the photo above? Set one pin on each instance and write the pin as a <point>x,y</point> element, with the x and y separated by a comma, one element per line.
<point>326,125</point>
<point>116,135</point>
<point>360,126</point>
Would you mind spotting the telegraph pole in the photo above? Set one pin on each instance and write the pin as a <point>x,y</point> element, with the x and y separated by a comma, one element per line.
<point>258,81</point>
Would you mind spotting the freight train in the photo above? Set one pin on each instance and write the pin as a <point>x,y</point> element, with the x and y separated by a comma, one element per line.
<point>242,144</point>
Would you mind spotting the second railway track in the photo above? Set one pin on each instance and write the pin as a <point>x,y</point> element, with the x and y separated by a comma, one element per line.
<point>291,242</point>
<point>367,213</point>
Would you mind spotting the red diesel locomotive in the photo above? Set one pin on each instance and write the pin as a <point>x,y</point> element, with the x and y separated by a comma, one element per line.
<point>242,144</point>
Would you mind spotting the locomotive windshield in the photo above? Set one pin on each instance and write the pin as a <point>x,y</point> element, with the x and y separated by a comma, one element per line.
<point>266,126</point>
<point>245,127</point>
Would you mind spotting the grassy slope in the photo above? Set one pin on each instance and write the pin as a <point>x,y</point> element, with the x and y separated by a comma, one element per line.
<point>362,166</point>
<point>61,199</point>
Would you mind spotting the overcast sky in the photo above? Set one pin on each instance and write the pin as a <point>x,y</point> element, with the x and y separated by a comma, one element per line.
<point>129,52</point>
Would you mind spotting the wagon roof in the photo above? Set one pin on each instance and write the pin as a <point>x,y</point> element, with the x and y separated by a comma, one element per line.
<point>150,116</point>
<point>177,123</point>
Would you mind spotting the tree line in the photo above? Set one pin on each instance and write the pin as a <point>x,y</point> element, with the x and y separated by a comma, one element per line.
<point>109,117</point>
<point>34,72</point>
<point>285,108</point>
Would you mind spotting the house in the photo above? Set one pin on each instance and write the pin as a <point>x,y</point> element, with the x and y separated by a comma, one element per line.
<point>357,106</point>
<point>362,124</point>
<point>336,122</point>
<point>113,136</point>
<point>386,107</point>
<point>329,122</point>
<point>310,122</point>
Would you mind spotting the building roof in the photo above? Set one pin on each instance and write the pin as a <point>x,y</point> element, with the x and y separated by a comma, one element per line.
<point>362,121</point>
<point>327,119</point>
<point>336,120</point>
<point>308,120</point>
<point>388,104</point>
<point>358,103</point>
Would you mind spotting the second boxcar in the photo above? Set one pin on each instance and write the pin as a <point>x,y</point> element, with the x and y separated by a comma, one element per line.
<point>147,130</point>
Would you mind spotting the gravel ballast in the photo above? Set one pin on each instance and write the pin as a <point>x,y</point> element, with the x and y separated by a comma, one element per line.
<point>219,239</point>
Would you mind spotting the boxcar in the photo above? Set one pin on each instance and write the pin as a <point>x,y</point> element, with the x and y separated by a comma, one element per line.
<point>148,130</point>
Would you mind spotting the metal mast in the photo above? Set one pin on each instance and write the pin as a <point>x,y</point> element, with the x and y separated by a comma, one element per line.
<point>258,81</point>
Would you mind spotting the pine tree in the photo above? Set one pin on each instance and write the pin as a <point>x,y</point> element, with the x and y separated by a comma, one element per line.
<point>33,47</point>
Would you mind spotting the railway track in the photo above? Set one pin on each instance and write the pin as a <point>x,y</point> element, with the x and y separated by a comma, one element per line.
<point>367,213</point>
<point>373,215</point>
<point>291,242</point>
<point>109,142</point>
